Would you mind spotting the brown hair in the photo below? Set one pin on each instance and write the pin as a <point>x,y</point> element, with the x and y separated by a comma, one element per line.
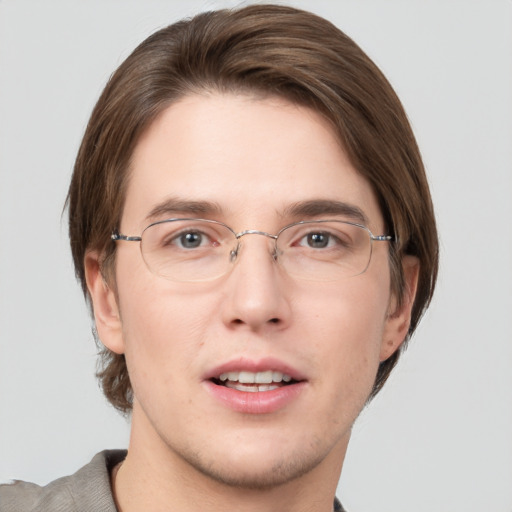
<point>269,50</point>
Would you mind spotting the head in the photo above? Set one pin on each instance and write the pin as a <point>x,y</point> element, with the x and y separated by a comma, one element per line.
<point>262,52</point>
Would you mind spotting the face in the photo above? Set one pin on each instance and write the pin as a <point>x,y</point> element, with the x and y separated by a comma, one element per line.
<point>248,163</point>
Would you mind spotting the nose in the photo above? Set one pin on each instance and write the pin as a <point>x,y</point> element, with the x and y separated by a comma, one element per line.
<point>256,297</point>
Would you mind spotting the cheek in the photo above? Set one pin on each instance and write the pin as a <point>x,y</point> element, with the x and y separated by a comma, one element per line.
<point>153,310</point>
<point>346,324</point>
<point>162,330</point>
<point>158,323</point>
<point>163,340</point>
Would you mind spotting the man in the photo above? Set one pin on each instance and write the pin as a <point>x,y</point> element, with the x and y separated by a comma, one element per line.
<point>251,224</point>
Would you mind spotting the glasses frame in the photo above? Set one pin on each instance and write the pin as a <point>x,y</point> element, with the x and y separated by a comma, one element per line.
<point>116,236</point>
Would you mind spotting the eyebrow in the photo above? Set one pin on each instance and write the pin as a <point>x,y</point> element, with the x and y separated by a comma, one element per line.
<point>302,209</point>
<point>173,206</point>
<point>322,207</point>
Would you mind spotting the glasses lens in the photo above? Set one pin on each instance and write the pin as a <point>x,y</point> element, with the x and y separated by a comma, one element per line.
<point>187,250</point>
<point>324,250</point>
<point>200,250</point>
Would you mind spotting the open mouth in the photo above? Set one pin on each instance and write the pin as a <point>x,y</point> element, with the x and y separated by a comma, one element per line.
<point>254,382</point>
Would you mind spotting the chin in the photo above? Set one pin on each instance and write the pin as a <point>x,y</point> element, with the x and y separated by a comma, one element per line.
<point>258,473</point>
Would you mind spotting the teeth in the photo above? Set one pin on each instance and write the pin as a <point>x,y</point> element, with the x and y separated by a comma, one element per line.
<point>244,377</point>
<point>233,376</point>
<point>247,377</point>
<point>264,377</point>
<point>278,377</point>
<point>249,388</point>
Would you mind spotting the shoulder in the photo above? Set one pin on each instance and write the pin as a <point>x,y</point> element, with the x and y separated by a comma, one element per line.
<point>338,507</point>
<point>87,489</point>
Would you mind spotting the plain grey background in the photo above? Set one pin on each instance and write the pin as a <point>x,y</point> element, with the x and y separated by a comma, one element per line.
<point>439,437</point>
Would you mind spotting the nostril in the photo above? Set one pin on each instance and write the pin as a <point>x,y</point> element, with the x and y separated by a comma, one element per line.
<point>238,321</point>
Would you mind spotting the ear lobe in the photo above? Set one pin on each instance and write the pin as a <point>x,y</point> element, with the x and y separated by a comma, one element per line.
<point>399,318</point>
<point>104,303</point>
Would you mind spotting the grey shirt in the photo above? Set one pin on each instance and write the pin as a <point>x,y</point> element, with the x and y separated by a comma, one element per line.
<point>87,490</point>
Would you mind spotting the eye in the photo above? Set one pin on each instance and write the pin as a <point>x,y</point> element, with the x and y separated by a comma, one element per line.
<point>319,240</point>
<point>190,240</point>
<point>187,236</point>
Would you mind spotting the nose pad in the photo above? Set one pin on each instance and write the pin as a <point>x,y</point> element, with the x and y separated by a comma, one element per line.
<point>234,253</point>
<point>275,252</point>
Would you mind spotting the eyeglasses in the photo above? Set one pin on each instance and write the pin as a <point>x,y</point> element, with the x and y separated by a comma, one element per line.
<point>202,250</point>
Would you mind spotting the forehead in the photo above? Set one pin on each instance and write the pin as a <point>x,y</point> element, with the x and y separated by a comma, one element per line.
<point>241,159</point>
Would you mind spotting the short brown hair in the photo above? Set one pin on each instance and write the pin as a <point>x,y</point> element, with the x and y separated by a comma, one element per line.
<point>267,50</point>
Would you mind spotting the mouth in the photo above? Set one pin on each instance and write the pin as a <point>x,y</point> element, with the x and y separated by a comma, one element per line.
<point>256,387</point>
<point>254,382</point>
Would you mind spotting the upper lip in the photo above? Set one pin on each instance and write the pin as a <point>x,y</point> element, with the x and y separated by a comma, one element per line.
<point>252,365</point>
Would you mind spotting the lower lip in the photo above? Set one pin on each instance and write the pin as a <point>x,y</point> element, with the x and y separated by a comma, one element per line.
<point>260,402</point>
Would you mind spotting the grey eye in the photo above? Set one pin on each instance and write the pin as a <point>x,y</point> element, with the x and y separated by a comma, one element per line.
<point>318,240</point>
<point>191,240</point>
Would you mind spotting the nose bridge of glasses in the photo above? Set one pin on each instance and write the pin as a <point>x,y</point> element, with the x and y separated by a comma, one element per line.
<point>254,232</point>
<point>238,236</point>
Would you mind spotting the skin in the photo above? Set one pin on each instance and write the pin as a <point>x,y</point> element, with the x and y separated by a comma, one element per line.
<point>253,158</point>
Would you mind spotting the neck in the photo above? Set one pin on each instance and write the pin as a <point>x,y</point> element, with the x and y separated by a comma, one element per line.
<point>155,477</point>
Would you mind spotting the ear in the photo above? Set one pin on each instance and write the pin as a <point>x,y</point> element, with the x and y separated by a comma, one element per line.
<point>399,318</point>
<point>104,303</point>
